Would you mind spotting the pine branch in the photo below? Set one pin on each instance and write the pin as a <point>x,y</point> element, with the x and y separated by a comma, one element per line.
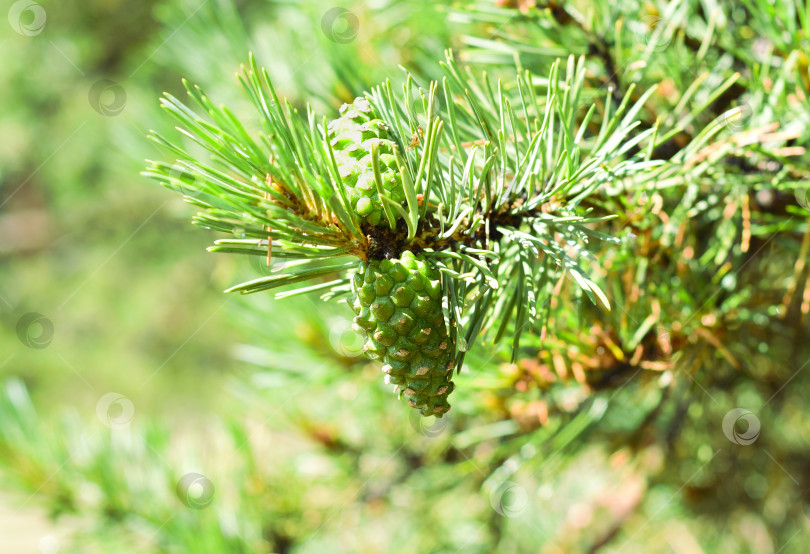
<point>494,176</point>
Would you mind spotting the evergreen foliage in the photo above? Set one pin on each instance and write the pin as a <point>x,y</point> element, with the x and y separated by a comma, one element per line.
<point>600,209</point>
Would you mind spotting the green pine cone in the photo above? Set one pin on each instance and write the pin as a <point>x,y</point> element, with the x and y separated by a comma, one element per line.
<point>399,311</point>
<point>352,136</point>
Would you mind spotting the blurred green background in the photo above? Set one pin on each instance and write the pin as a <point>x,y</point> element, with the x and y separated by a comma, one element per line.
<point>290,439</point>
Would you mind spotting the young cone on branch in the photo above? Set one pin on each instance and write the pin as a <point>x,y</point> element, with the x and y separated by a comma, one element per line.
<point>439,217</point>
<point>399,310</point>
<point>397,302</point>
<point>353,135</point>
